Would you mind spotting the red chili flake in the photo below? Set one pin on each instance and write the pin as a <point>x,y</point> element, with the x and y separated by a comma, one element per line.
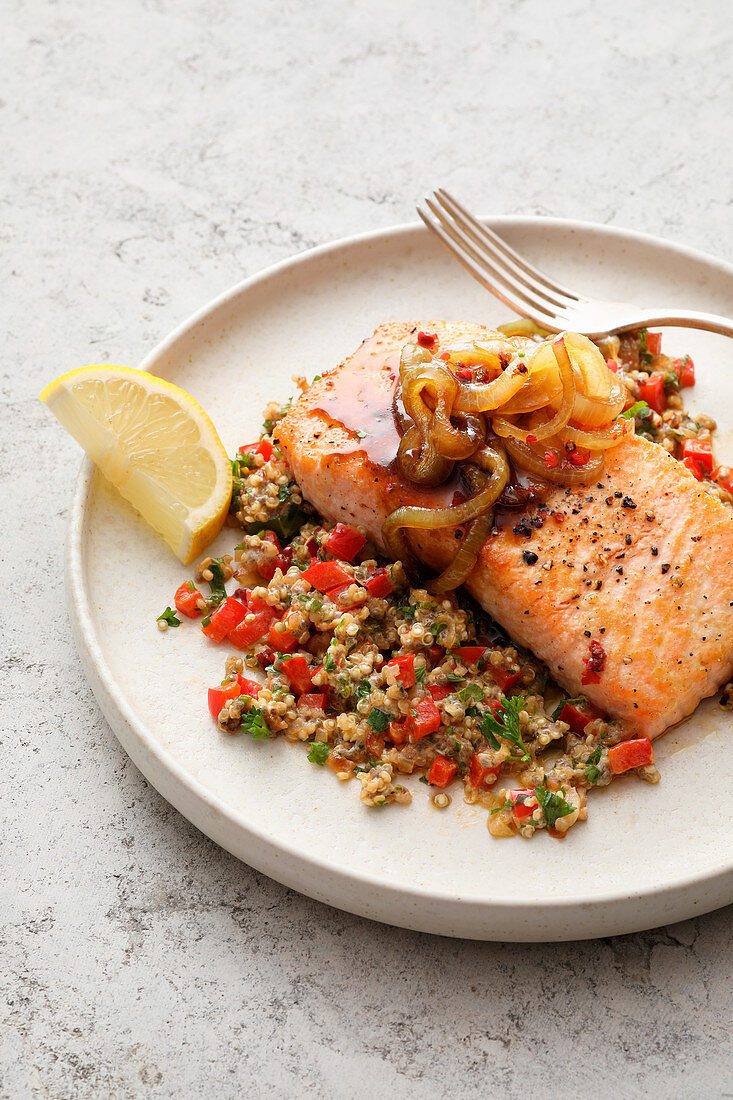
<point>579,458</point>
<point>465,373</point>
<point>531,438</point>
<point>594,664</point>
<point>551,460</point>
<point>558,517</point>
<point>445,355</point>
<point>427,339</point>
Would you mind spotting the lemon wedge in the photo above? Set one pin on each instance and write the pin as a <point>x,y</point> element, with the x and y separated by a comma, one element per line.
<point>155,443</point>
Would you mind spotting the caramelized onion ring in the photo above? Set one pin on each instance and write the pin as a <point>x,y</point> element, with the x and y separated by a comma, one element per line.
<point>505,427</point>
<point>524,456</point>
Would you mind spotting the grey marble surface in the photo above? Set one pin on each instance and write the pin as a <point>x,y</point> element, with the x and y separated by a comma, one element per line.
<point>154,153</point>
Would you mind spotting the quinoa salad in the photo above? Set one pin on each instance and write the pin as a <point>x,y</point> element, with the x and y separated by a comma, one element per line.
<point>328,643</point>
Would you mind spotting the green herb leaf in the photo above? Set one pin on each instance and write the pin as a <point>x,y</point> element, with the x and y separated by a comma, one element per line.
<point>553,805</point>
<point>378,719</point>
<point>564,703</point>
<point>640,408</point>
<point>506,724</point>
<point>407,611</point>
<point>252,722</point>
<point>363,688</point>
<point>169,616</point>
<point>328,662</point>
<point>283,493</point>
<point>216,584</point>
<point>471,693</point>
<point>319,752</point>
<point>361,434</point>
<point>454,678</point>
<point>424,779</point>
<point>285,525</point>
<point>437,629</point>
<point>420,674</point>
<point>592,772</point>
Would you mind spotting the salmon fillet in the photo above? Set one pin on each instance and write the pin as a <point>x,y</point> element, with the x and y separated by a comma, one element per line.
<point>638,562</point>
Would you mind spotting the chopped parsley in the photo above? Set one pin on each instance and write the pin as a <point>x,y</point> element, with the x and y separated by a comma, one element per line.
<point>437,629</point>
<point>553,805</point>
<point>640,409</point>
<point>319,752</point>
<point>253,723</point>
<point>420,674</point>
<point>285,525</point>
<point>407,611</point>
<point>506,724</point>
<point>454,678</point>
<point>378,719</point>
<point>216,584</point>
<point>592,771</point>
<point>283,493</point>
<point>168,616</point>
<point>645,356</point>
<point>471,693</point>
<point>328,662</point>
<point>565,703</point>
<point>363,688</point>
<point>361,434</point>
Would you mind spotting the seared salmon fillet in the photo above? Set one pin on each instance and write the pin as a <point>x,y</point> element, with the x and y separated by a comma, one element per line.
<point>638,564</point>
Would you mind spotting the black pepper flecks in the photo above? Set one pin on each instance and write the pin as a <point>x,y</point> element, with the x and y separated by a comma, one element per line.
<point>529,558</point>
<point>627,502</point>
<point>666,567</point>
<point>655,551</point>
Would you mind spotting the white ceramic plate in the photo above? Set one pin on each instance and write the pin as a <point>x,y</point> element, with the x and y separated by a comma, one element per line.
<point>647,856</point>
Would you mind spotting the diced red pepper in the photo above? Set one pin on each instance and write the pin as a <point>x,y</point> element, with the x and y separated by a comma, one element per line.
<point>470,654</point>
<point>654,342</point>
<point>577,719</point>
<point>246,633</point>
<point>344,542</point>
<point>228,615</point>
<point>284,640</point>
<point>652,391</point>
<point>326,574</point>
<point>685,371</point>
<point>700,451</point>
<point>427,339</point>
<point>398,732</point>
<point>440,691</point>
<point>380,584</point>
<point>693,467</point>
<point>219,696</point>
<point>298,673</point>
<point>186,599</point>
<point>614,365</point>
<point>630,754</point>
<point>248,687</point>
<point>442,771</point>
<point>314,700</point>
<point>263,447</point>
<point>505,680</point>
<point>405,669</point>
<point>266,569</point>
<point>519,806</point>
<point>723,475</point>
<point>479,776</point>
<point>424,721</point>
<point>336,593</point>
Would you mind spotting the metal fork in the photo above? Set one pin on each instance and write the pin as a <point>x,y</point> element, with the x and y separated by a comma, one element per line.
<point>533,294</point>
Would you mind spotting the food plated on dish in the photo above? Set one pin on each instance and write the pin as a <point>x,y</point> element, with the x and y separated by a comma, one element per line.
<point>481,557</point>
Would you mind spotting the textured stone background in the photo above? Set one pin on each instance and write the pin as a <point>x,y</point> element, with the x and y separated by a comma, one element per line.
<point>153,154</point>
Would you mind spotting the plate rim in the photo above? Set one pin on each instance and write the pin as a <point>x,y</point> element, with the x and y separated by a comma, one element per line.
<point>90,649</point>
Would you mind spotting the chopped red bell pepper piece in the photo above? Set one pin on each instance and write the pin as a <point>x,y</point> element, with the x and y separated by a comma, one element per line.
<point>248,632</point>
<point>700,451</point>
<point>630,754</point>
<point>427,339</point>
<point>723,475</point>
<point>470,654</point>
<point>314,700</point>
<point>505,680</point>
<point>652,391</point>
<point>186,600</point>
<point>685,371</point>
<point>405,669</point>
<point>424,721</point>
<point>440,691</point>
<point>478,775</point>
<point>284,640</point>
<point>442,771</point>
<point>326,574</point>
<point>344,542</point>
<point>336,593</point>
<point>398,732</point>
<point>262,447</point>
<point>578,719</point>
<point>519,803</point>
<point>298,673</point>
<point>248,687</point>
<point>380,584</point>
<point>219,696</point>
<point>654,342</point>
<point>693,467</point>
<point>228,615</point>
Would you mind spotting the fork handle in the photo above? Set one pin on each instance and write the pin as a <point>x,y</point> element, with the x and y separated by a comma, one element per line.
<point>684,318</point>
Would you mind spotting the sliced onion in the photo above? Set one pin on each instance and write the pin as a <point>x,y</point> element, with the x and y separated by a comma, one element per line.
<point>602,439</point>
<point>507,428</point>
<point>592,413</point>
<point>533,462</point>
<point>491,395</point>
<point>523,327</point>
<point>465,560</point>
<point>420,462</point>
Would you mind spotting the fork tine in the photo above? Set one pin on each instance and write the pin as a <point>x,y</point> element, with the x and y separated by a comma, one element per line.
<point>477,266</point>
<point>508,255</point>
